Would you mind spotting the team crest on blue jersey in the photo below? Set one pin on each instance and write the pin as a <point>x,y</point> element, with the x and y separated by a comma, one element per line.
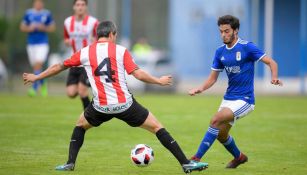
<point>238,56</point>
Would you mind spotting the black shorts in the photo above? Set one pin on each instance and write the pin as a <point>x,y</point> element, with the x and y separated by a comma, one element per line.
<point>134,116</point>
<point>76,75</point>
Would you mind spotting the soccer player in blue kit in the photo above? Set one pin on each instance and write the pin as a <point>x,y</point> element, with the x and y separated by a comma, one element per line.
<point>37,22</point>
<point>237,57</point>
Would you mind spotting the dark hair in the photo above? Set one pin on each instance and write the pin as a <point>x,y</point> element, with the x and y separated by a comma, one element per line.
<point>105,28</point>
<point>229,19</point>
<point>79,0</point>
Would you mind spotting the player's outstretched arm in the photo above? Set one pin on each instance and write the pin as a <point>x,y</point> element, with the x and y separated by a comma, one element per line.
<point>207,84</point>
<point>147,78</point>
<point>52,70</point>
<point>274,70</point>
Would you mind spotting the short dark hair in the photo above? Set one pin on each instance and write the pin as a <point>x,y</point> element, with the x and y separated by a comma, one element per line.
<point>79,0</point>
<point>105,28</point>
<point>229,19</point>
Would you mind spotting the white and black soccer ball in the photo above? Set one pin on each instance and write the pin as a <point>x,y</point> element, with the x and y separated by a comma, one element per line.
<point>142,155</point>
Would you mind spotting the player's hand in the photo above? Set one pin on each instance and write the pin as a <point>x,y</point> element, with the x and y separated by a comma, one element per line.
<point>29,78</point>
<point>276,82</point>
<point>195,91</point>
<point>41,27</point>
<point>166,80</point>
<point>32,28</point>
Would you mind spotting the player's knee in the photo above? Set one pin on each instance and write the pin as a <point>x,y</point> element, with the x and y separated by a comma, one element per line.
<point>83,123</point>
<point>83,93</point>
<point>71,94</point>
<point>216,121</point>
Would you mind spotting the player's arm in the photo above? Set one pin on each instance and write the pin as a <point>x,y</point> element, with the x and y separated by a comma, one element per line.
<point>49,72</point>
<point>25,25</point>
<point>207,84</point>
<point>274,70</point>
<point>132,68</point>
<point>67,40</point>
<point>46,28</point>
<point>26,28</point>
<point>147,78</point>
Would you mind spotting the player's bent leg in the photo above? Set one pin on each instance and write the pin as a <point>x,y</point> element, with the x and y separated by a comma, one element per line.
<point>82,122</point>
<point>220,118</point>
<point>224,132</point>
<point>225,115</point>
<point>153,125</point>
<point>76,143</point>
<point>230,145</point>
<point>72,90</point>
<point>83,93</point>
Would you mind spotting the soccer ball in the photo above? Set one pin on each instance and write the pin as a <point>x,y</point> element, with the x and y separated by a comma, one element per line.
<point>142,155</point>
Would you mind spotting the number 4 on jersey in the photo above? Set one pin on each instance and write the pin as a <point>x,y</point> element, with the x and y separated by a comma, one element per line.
<point>108,71</point>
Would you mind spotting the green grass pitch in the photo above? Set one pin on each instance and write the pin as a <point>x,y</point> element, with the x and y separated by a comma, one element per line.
<point>35,133</point>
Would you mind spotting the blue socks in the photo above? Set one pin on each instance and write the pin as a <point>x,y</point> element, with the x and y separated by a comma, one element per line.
<point>36,84</point>
<point>231,146</point>
<point>207,141</point>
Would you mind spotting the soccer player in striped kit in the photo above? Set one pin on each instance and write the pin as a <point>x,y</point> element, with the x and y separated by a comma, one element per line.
<point>237,57</point>
<point>79,31</point>
<point>37,22</point>
<point>106,64</point>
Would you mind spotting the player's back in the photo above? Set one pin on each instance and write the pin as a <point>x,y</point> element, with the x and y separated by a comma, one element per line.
<point>105,64</point>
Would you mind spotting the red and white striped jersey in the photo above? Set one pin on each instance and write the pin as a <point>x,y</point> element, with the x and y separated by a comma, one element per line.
<point>80,33</point>
<point>105,64</point>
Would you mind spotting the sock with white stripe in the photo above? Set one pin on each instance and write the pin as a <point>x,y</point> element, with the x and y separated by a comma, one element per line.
<point>36,84</point>
<point>231,146</point>
<point>207,141</point>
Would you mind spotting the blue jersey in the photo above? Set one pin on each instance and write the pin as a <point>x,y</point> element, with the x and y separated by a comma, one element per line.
<point>34,17</point>
<point>238,62</point>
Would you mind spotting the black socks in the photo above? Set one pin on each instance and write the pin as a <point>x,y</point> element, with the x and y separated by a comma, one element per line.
<point>76,142</point>
<point>168,142</point>
<point>85,101</point>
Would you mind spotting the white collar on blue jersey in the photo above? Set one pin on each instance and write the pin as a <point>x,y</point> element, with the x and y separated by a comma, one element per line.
<point>229,48</point>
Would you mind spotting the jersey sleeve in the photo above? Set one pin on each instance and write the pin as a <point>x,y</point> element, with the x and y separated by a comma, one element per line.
<point>49,19</point>
<point>74,60</point>
<point>129,63</point>
<point>95,29</point>
<point>66,35</point>
<point>255,54</point>
<point>26,19</point>
<point>217,64</point>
